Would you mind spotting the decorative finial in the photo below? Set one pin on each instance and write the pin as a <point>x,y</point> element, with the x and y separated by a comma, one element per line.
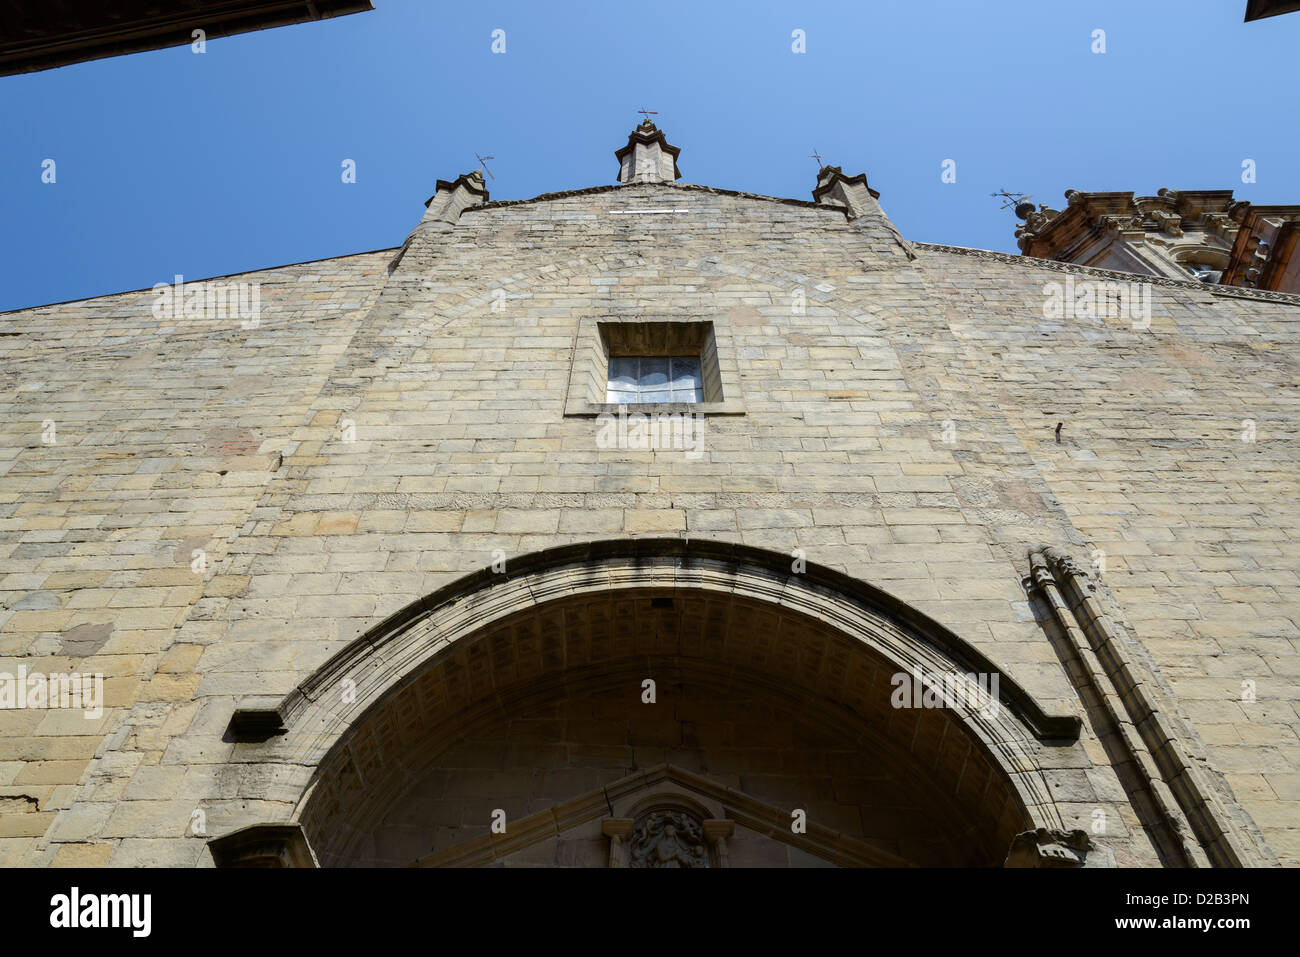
<point>817,156</point>
<point>647,157</point>
<point>482,162</point>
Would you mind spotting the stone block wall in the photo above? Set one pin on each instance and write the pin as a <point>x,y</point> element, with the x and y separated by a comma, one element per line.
<point>378,436</point>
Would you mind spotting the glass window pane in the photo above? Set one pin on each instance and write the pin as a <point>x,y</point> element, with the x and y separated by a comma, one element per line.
<point>622,374</point>
<point>654,372</point>
<point>686,372</point>
<point>646,379</point>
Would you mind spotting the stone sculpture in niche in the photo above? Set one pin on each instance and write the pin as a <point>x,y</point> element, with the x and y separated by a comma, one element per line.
<point>669,839</point>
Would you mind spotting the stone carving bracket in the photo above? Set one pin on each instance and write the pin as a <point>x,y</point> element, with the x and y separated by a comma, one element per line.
<point>1052,848</point>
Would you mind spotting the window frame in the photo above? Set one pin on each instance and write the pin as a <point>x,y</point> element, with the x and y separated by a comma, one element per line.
<point>672,375</point>
<point>600,337</point>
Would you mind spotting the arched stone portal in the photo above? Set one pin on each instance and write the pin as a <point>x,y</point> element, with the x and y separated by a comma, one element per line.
<point>523,697</point>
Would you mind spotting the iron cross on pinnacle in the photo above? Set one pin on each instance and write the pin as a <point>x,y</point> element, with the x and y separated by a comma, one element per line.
<point>482,162</point>
<point>648,113</point>
<point>815,155</point>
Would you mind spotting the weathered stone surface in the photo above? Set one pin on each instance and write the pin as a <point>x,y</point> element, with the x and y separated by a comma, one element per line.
<point>378,435</point>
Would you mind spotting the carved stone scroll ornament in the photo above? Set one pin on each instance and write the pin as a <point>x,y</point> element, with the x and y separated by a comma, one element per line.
<point>1036,221</point>
<point>669,839</point>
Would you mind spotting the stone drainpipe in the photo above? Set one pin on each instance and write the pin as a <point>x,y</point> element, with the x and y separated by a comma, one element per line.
<point>1192,827</point>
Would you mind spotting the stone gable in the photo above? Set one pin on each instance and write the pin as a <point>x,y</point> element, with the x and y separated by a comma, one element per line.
<point>396,420</point>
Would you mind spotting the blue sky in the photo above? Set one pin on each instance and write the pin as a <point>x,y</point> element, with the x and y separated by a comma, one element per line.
<point>172,162</point>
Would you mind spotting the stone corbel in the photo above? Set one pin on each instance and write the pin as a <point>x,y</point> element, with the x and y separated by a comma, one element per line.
<point>1221,225</point>
<point>263,845</point>
<point>1170,223</point>
<point>1126,227</point>
<point>1054,848</point>
<point>255,724</point>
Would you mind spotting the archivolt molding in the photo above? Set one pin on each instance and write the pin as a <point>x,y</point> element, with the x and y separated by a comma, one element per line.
<point>350,788</point>
<point>316,716</point>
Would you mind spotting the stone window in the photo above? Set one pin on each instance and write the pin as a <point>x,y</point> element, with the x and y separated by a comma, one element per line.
<point>1207,265</point>
<point>672,365</point>
<point>1205,272</point>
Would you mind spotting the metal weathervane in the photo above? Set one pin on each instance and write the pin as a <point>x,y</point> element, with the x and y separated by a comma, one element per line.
<point>1014,201</point>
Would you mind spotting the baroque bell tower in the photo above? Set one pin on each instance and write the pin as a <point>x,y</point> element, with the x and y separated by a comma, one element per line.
<point>1176,234</point>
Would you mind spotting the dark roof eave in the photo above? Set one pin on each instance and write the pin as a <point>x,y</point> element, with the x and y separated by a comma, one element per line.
<point>49,43</point>
<point>1262,9</point>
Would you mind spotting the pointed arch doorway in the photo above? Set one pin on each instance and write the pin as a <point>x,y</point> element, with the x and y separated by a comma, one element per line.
<point>660,702</point>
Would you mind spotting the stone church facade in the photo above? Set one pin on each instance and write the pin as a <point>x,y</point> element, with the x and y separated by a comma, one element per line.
<point>654,524</point>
